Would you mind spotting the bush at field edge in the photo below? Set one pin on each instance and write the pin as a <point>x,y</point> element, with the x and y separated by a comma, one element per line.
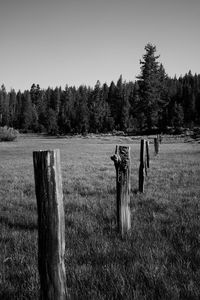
<point>8,134</point>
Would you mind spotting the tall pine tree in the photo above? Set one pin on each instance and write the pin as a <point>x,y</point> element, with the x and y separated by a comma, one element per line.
<point>150,88</point>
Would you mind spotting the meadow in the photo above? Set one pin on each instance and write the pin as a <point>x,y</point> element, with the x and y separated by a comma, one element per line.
<point>159,258</point>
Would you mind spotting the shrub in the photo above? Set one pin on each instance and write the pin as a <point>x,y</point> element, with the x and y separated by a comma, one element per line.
<point>8,134</point>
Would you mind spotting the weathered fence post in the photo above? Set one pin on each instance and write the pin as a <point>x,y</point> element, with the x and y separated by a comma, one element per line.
<point>156,145</point>
<point>160,138</point>
<point>147,154</point>
<point>51,224</point>
<point>142,166</point>
<point>122,165</point>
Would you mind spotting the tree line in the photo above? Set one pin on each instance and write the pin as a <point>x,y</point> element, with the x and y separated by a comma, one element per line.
<point>153,103</point>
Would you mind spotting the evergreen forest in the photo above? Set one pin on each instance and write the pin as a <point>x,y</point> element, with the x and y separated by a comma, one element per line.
<point>153,103</point>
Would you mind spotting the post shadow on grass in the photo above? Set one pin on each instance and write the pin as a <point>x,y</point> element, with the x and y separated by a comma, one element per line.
<point>99,259</point>
<point>19,225</point>
<point>104,221</point>
<point>12,294</point>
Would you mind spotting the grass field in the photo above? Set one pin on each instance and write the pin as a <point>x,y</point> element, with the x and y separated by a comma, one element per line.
<point>159,259</point>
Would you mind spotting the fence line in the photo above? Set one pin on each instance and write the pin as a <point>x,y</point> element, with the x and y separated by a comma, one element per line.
<point>51,219</point>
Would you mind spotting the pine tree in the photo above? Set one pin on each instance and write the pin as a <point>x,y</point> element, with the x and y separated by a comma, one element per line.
<point>18,111</point>
<point>119,96</point>
<point>4,106</point>
<point>35,93</point>
<point>42,110</point>
<point>27,116</point>
<point>96,109</point>
<point>36,98</point>
<point>111,102</point>
<point>52,125</point>
<point>12,107</point>
<point>125,108</point>
<point>66,115</point>
<point>108,121</point>
<point>189,102</point>
<point>81,110</point>
<point>178,116</point>
<point>150,87</point>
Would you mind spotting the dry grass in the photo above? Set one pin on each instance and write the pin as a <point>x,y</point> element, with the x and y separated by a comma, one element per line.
<point>160,259</point>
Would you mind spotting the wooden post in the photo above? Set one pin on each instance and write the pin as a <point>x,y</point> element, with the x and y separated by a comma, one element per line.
<point>51,224</point>
<point>142,166</point>
<point>147,153</point>
<point>156,145</point>
<point>122,165</point>
<point>160,138</point>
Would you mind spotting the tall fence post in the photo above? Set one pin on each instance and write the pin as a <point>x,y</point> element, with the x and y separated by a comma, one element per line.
<point>147,154</point>
<point>51,225</point>
<point>156,145</point>
<point>121,160</point>
<point>160,138</point>
<point>142,166</point>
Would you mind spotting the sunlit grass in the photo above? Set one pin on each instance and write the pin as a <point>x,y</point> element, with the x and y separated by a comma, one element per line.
<point>159,259</point>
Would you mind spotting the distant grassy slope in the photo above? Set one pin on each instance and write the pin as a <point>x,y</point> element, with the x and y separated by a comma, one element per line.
<point>161,257</point>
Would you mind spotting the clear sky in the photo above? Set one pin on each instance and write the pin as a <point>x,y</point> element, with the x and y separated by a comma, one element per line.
<point>74,42</point>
